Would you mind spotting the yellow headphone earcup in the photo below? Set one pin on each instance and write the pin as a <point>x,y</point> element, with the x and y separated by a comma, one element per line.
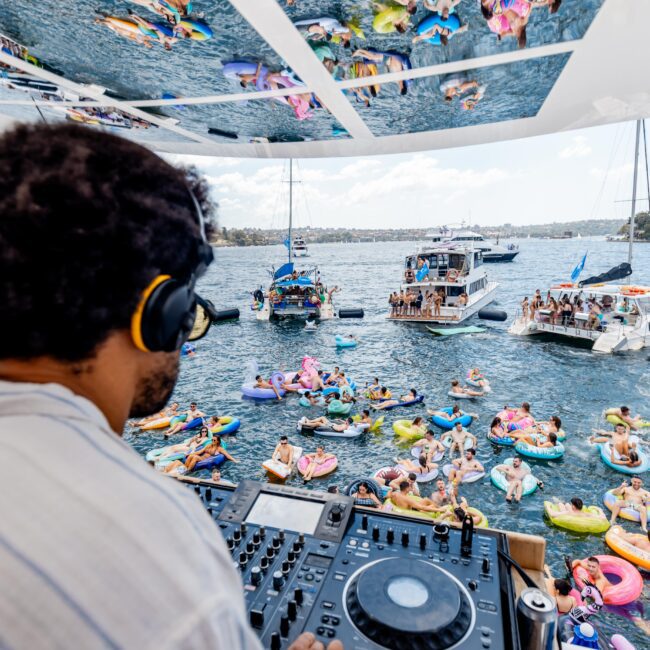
<point>136,319</point>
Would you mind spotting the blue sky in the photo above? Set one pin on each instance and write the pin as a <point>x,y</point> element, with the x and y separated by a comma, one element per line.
<point>561,177</point>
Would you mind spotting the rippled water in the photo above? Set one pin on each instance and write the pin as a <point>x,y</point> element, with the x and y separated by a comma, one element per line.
<point>555,378</point>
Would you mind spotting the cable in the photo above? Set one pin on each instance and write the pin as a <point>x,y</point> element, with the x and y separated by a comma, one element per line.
<point>612,154</point>
<point>647,175</point>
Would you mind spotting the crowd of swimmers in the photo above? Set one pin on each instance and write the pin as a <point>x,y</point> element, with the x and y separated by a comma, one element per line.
<point>583,312</point>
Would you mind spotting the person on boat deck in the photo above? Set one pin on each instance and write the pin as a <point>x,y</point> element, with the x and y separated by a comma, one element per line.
<point>283,452</point>
<point>365,497</point>
<point>459,436</point>
<point>634,497</point>
<point>595,315</point>
<point>418,303</point>
<point>455,413</point>
<point>423,466</point>
<point>442,7</point>
<point>619,439</point>
<point>462,299</point>
<point>315,461</point>
<point>463,466</point>
<point>575,507</point>
<point>409,397</point>
<point>401,499</point>
<point>193,419</point>
<point>213,449</point>
<point>429,446</point>
<point>595,574</point>
<point>524,308</point>
<point>515,475</point>
<point>393,302</point>
<point>457,389</point>
<point>625,415</point>
<point>331,292</point>
<point>260,382</point>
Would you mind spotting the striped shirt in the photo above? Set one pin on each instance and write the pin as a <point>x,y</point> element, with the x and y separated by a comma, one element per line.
<point>97,550</point>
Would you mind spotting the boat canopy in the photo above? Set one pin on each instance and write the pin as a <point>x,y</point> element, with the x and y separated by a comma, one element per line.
<point>617,273</point>
<point>302,281</point>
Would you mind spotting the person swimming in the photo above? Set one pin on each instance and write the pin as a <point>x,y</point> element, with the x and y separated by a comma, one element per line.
<point>410,397</point>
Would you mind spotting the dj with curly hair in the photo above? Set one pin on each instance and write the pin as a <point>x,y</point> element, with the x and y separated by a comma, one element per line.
<point>101,245</point>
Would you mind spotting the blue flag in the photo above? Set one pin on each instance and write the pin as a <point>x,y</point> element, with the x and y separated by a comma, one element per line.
<point>575,274</point>
<point>287,243</point>
<point>422,273</point>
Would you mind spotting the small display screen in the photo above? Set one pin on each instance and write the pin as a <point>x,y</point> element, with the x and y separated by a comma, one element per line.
<point>318,561</point>
<point>284,512</point>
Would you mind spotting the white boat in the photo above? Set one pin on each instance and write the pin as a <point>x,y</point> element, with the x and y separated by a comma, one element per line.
<point>299,247</point>
<point>452,269</point>
<point>293,293</point>
<point>625,324</point>
<point>491,252</point>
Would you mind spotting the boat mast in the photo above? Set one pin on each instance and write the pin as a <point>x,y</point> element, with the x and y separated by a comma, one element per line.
<point>636,172</point>
<point>291,200</point>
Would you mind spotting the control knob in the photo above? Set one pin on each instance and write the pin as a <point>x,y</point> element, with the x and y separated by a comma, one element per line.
<point>256,575</point>
<point>264,563</point>
<point>301,539</point>
<point>297,547</point>
<point>230,543</point>
<point>423,541</point>
<point>485,565</point>
<point>243,560</point>
<point>236,536</point>
<point>390,535</point>
<point>364,522</point>
<point>292,610</point>
<point>375,533</point>
<point>284,625</point>
<point>297,595</point>
<point>286,567</point>
<point>262,532</point>
<point>291,557</point>
<point>278,580</point>
<point>405,538</point>
<point>256,539</point>
<point>276,641</point>
<point>281,535</point>
<point>336,514</point>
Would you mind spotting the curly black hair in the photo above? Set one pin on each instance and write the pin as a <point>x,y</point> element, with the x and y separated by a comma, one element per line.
<point>87,220</point>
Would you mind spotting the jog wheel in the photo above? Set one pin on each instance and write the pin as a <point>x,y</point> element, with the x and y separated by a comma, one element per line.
<point>405,604</point>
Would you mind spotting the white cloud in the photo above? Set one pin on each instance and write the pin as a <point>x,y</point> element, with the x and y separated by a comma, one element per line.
<point>421,173</point>
<point>579,149</point>
<point>614,173</point>
<point>359,168</point>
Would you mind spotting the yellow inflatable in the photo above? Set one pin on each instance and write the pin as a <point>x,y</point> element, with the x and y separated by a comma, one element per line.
<point>376,425</point>
<point>625,549</point>
<point>405,429</point>
<point>384,21</point>
<point>577,523</point>
<point>436,516</point>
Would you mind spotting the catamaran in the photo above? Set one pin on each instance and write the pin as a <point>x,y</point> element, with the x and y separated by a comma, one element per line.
<point>452,271</point>
<point>293,293</point>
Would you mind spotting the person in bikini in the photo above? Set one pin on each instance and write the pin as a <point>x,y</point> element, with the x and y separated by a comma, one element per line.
<point>315,461</point>
<point>634,497</point>
<point>420,468</point>
<point>409,397</point>
<point>190,462</point>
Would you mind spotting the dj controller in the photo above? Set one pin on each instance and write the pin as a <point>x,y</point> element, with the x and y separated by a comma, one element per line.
<point>312,561</point>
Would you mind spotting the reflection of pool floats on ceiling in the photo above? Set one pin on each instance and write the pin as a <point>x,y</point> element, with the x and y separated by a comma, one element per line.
<point>198,31</point>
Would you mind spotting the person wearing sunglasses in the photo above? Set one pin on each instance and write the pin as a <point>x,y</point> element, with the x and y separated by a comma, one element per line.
<point>101,245</point>
<point>283,452</point>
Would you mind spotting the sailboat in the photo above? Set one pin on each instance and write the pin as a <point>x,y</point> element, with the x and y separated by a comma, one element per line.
<point>293,293</point>
<point>620,321</point>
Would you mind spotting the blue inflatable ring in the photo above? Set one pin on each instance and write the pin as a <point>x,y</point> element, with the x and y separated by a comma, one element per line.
<point>448,425</point>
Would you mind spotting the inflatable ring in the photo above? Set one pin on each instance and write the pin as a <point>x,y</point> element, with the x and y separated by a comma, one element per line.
<point>389,473</point>
<point>577,523</point>
<point>417,400</point>
<point>342,342</point>
<point>160,423</point>
<point>499,480</point>
<point>465,419</point>
<point>416,452</point>
<point>390,506</point>
<point>609,499</point>
<point>504,441</point>
<point>539,453</point>
<point>614,419</point>
<point>447,440</point>
<point>210,463</point>
<point>278,469</point>
<point>251,390</point>
<point>373,487</point>
<point>452,23</point>
<point>303,401</point>
<point>627,590</point>
<point>422,478</point>
<point>461,395</point>
<point>227,425</point>
<point>327,467</point>
<point>405,429</point>
<point>605,455</point>
<point>383,22</point>
<point>452,275</point>
<point>472,511</point>
<point>632,553</point>
<point>198,31</point>
<point>470,477</point>
<point>337,407</point>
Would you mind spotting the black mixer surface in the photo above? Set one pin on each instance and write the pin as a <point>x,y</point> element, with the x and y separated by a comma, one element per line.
<point>311,561</point>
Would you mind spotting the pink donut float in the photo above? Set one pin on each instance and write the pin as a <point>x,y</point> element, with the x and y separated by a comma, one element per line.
<point>630,584</point>
<point>327,467</point>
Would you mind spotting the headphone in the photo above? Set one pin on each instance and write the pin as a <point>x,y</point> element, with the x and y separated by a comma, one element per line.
<point>166,314</point>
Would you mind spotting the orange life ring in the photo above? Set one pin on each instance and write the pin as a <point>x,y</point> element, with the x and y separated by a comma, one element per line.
<point>452,275</point>
<point>565,285</point>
